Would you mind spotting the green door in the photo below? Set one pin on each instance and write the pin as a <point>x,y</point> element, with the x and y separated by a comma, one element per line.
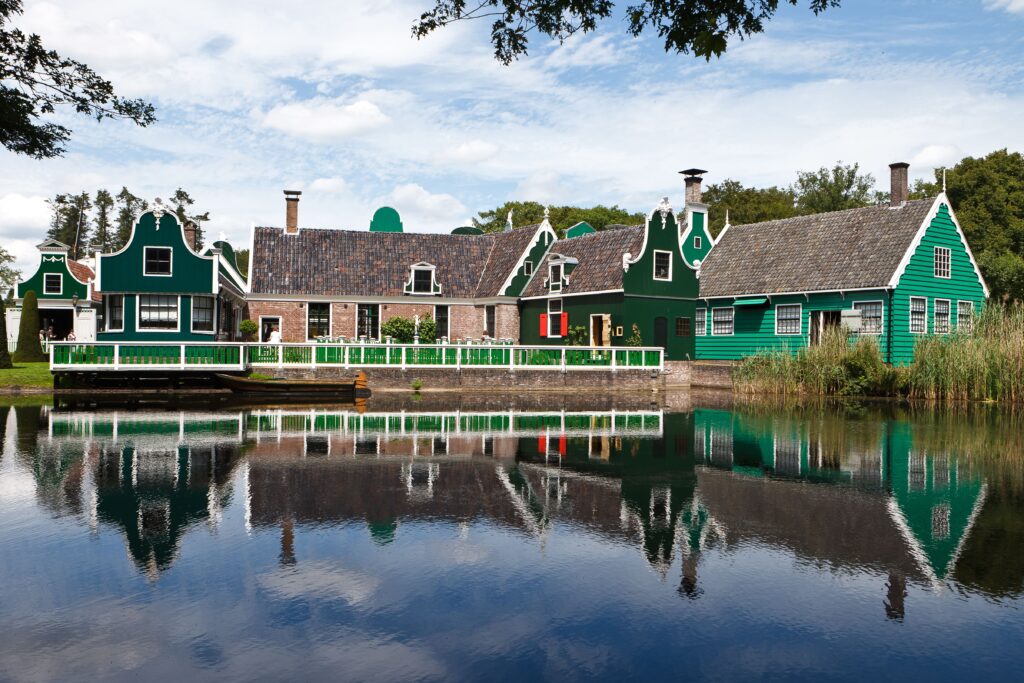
<point>661,332</point>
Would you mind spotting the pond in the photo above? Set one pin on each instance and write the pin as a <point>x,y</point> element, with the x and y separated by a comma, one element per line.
<point>550,537</point>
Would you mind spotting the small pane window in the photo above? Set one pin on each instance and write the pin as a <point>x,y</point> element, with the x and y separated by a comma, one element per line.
<point>368,321</point>
<point>918,313</point>
<point>202,314</point>
<point>662,265</point>
<point>965,316</point>
<point>941,262</point>
<point>158,312</point>
<point>555,278</point>
<point>158,261</point>
<point>318,320</point>
<point>490,313</point>
<point>788,319</point>
<point>697,242</point>
<point>422,280</point>
<point>870,316</point>
<point>941,323</point>
<point>528,268</point>
<point>114,304</point>
<point>554,317</point>
<point>702,322</point>
<point>682,327</point>
<point>52,283</point>
<point>441,321</point>
<point>722,320</point>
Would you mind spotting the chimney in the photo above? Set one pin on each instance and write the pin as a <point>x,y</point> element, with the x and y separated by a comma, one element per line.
<point>898,184</point>
<point>291,199</point>
<point>692,179</point>
<point>191,232</point>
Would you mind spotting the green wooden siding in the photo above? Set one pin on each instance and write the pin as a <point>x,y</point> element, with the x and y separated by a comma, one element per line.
<point>661,236</point>
<point>132,333</point>
<point>699,228</point>
<point>53,263</point>
<point>536,254</point>
<point>919,280</point>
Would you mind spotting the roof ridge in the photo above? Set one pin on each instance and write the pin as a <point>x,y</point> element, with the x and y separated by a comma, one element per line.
<point>872,207</point>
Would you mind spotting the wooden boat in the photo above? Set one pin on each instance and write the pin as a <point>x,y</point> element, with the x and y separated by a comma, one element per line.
<point>296,388</point>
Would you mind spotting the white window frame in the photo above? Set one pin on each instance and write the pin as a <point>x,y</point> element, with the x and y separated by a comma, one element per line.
<point>697,243</point>
<point>380,323</point>
<point>448,322</point>
<point>970,326</point>
<point>700,322</point>
<point>558,329</point>
<point>555,285</point>
<point>882,323</point>
<point>145,257</point>
<point>654,266</point>
<point>527,268</point>
<point>213,315</point>
<point>106,312</point>
<point>412,279</point>
<point>60,284</point>
<point>138,315</point>
<point>280,326</point>
<point>495,309</point>
<point>732,320</point>
<point>910,315</point>
<point>800,329</point>
<point>949,316</point>
<point>949,262</point>
<point>330,318</point>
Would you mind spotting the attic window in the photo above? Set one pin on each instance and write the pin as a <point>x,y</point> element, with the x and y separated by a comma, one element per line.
<point>555,277</point>
<point>422,280</point>
<point>942,262</point>
<point>697,242</point>
<point>157,260</point>
<point>662,265</point>
<point>527,268</point>
<point>53,283</point>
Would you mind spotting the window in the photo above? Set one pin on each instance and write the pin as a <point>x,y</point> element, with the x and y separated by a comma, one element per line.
<point>157,260</point>
<point>702,322</point>
<point>202,314</point>
<point>942,262</point>
<point>918,313</point>
<point>555,277</point>
<point>318,320</point>
<point>697,242</point>
<point>662,265</point>
<point>965,316</point>
<point>441,322</point>
<point>490,313</point>
<point>368,321</point>
<point>113,305</point>
<point>722,320</point>
<point>53,283</point>
<point>158,312</point>
<point>527,268</point>
<point>870,316</point>
<point>423,280</point>
<point>940,323</point>
<point>682,327</point>
<point>554,317</point>
<point>789,319</point>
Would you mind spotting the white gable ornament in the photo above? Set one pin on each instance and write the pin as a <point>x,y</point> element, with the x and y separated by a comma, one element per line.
<point>664,208</point>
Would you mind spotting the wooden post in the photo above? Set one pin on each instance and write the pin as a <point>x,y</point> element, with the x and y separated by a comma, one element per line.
<point>563,359</point>
<point>312,350</point>
<point>117,356</point>
<point>280,355</point>
<point>181,357</point>
<point>345,350</point>
<point>615,366</point>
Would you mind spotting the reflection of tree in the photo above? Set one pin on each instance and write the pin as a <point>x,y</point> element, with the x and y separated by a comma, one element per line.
<point>27,422</point>
<point>991,560</point>
<point>4,412</point>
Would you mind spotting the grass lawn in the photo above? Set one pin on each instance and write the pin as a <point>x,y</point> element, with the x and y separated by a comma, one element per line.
<point>27,375</point>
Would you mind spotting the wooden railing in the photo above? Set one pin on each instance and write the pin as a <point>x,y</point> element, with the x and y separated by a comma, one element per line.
<point>227,356</point>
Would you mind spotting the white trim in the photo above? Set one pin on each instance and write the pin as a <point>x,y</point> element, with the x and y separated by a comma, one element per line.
<point>689,210</point>
<point>145,257</point>
<point>949,262</point>
<point>106,313</point>
<point>880,302</point>
<point>527,266</point>
<point>561,276</point>
<point>330,320</point>
<point>495,330</point>
<point>447,333</point>
<point>910,314</point>
<point>544,227</point>
<point>704,318</point>
<point>409,288</point>
<point>964,301</point>
<point>722,308</point>
<point>192,314</point>
<point>798,333</point>
<point>398,301</point>
<point>654,268</point>
<point>662,207</point>
<point>949,316</point>
<point>567,294</point>
<point>698,242</point>
<point>138,314</point>
<point>941,200</point>
<point>355,331</point>
<point>561,310</point>
<point>259,332</point>
<point>60,288</point>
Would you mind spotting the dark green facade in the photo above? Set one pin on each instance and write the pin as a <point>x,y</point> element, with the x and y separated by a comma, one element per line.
<point>54,261</point>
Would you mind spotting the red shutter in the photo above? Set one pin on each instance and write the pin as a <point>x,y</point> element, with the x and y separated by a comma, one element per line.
<point>561,446</point>
<point>542,445</point>
<point>543,324</point>
<point>565,324</point>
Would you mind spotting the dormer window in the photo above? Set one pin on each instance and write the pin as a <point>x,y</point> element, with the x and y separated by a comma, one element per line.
<point>421,280</point>
<point>527,268</point>
<point>697,242</point>
<point>53,283</point>
<point>157,261</point>
<point>555,277</point>
<point>662,265</point>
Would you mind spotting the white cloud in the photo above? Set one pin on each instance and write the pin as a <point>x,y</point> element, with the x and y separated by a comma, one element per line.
<point>319,120</point>
<point>328,185</point>
<point>471,152</point>
<point>419,203</point>
<point>1014,6</point>
<point>20,214</point>
<point>937,156</point>
<point>541,186</point>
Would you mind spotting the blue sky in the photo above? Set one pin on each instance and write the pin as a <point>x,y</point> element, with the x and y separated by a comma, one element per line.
<point>336,99</point>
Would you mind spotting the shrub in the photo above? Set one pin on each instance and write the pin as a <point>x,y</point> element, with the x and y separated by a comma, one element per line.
<point>248,328</point>
<point>417,384</point>
<point>635,339</point>
<point>577,336</point>
<point>5,357</point>
<point>29,350</point>
<point>403,330</point>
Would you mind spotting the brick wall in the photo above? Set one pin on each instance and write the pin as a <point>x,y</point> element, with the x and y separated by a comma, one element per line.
<point>293,318</point>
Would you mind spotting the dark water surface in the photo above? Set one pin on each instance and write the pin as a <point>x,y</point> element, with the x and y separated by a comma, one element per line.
<point>544,539</point>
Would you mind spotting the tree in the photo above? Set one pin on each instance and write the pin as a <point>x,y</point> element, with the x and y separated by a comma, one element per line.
<point>9,275</point>
<point>103,237</point>
<point>70,221</point>
<point>128,209</point>
<point>701,27</point>
<point>835,189</point>
<point>5,356</point>
<point>182,201</point>
<point>746,204</point>
<point>29,350</point>
<point>561,217</point>
<point>242,261</point>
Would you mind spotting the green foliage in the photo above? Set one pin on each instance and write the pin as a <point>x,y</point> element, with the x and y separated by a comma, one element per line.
<point>128,209</point>
<point>70,221</point>
<point>746,204</point>
<point>36,82</point>
<point>248,328</point>
<point>9,276</point>
<point>182,203</point>
<point>833,189</point>
<point>242,261</point>
<point>561,217</point>
<point>635,339</point>
<point>702,28</point>
<point>29,350</point>
<point>1004,274</point>
<point>5,356</point>
<point>402,330</point>
<point>103,234</point>
<point>577,336</point>
<point>417,384</point>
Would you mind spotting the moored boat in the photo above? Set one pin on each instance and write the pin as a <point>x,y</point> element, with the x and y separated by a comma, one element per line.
<point>357,387</point>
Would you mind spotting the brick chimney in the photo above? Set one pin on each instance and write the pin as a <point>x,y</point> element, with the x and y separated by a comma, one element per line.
<point>692,179</point>
<point>899,187</point>
<point>291,199</point>
<point>191,234</point>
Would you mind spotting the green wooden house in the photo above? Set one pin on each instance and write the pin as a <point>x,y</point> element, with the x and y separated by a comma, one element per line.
<point>607,282</point>
<point>157,288</point>
<point>64,289</point>
<point>896,272</point>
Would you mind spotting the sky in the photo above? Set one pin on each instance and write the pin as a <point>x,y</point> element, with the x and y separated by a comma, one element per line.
<point>336,99</point>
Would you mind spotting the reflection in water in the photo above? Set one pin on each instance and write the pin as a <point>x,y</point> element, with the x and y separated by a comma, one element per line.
<point>693,494</point>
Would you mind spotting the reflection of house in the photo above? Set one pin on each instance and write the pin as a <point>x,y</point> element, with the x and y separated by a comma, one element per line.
<point>64,289</point>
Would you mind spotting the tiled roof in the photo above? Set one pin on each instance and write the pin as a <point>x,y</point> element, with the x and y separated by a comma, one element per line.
<point>360,263</point>
<point>508,247</point>
<point>600,260</point>
<point>80,270</point>
<point>851,249</point>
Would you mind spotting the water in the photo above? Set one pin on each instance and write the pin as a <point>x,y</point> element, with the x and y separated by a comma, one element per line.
<point>423,540</point>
